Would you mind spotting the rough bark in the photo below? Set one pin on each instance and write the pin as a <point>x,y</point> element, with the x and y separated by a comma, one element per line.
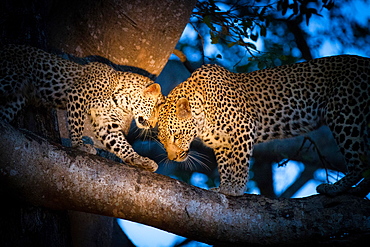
<point>136,33</point>
<point>61,178</point>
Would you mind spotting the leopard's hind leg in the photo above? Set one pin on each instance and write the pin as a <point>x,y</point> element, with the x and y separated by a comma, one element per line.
<point>76,111</point>
<point>12,96</point>
<point>350,131</point>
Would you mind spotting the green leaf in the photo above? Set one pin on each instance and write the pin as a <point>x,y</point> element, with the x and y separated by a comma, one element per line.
<point>208,21</point>
<point>251,45</point>
<point>247,25</point>
<point>214,39</point>
<point>329,5</point>
<point>262,13</point>
<point>308,16</point>
<point>261,65</point>
<point>254,37</point>
<point>263,31</point>
<point>231,44</point>
<point>366,174</point>
<point>243,68</point>
<point>313,11</point>
<point>284,5</point>
<point>283,58</point>
<point>295,8</point>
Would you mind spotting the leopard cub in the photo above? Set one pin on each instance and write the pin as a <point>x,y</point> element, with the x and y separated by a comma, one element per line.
<point>110,98</point>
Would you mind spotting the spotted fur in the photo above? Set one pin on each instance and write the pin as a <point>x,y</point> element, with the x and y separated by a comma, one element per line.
<point>110,98</point>
<point>232,112</point>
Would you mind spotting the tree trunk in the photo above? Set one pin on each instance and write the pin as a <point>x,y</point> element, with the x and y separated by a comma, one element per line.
<point>136,33</point>
<point>68,179</point>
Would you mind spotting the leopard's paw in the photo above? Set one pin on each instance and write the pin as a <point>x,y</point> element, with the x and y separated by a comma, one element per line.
<point>329,189</point>
<point>148,164</point>
<point>88,148</point>
<point>144,163</point>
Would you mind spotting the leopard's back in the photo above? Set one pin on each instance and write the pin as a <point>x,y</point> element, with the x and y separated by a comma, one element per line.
<point>37,74</point>
<point>294,99</point>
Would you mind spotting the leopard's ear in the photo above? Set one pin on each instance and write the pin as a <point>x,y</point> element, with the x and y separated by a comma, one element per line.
<point>183,109</point>
<point>152,90</point>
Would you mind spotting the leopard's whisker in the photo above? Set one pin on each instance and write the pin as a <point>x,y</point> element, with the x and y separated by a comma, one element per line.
<point>195,160</point>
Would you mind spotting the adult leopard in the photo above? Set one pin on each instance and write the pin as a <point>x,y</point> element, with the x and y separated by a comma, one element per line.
<point>110,98</point>
<point>231,112</point>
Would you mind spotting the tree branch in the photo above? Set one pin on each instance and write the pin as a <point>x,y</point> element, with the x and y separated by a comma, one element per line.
<point>62,178</point>
<point>300,39</point>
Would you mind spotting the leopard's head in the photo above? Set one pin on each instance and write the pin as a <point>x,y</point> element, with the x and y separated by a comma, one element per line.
<point>141,96</point>
<point>176,128</point>
<point>147,106</point>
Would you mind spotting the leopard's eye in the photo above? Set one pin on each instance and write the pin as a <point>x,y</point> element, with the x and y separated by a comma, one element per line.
<point>176,137</point>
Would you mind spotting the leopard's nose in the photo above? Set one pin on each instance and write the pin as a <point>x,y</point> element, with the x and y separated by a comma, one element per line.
<point>141,120</point>
<point>144,123</point>
<point>171,156</point>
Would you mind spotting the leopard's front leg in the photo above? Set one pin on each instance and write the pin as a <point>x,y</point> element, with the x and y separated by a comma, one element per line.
<point>233,168</point>
<point>233,158</point>
<point>116,143</point>
<point>109,126</point>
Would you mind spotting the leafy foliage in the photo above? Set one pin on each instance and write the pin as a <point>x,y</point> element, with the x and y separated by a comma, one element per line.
<point>302,8</point>
<point>240,23</point>
<point>233,24</point>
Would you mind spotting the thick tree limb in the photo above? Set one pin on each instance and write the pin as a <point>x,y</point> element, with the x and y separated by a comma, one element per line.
<point>61,178</point>
<point>136,33</point>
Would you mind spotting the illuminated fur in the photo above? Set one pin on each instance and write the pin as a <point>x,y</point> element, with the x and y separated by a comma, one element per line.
<point>110,98</point>
<point>232,112</point>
